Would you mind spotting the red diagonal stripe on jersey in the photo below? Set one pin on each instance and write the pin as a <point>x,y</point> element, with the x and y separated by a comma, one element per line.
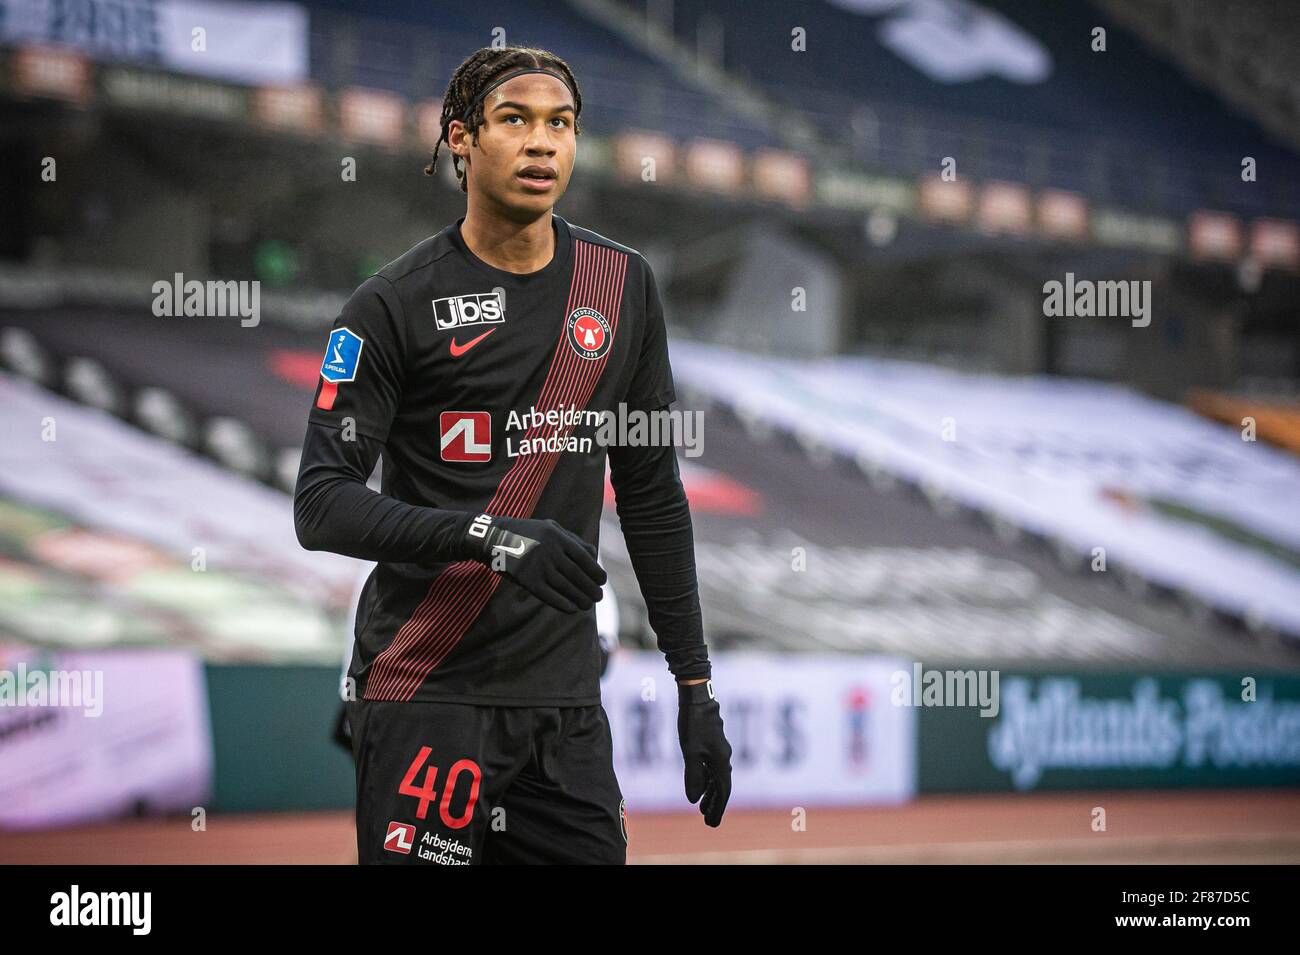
<point>571,379</point>
<point>435,627</point>
<point>458,595</point>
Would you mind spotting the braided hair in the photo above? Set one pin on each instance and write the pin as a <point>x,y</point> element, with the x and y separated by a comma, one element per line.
<point>474,75</point>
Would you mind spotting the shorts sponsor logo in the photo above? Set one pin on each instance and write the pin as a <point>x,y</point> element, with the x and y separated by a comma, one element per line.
<point>465,435</point>
<point>622,818</point>
<point>400,838</point>
<point>588,333</point>
<point>444,850</point>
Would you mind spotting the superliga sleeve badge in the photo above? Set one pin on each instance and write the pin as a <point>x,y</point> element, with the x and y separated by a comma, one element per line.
<point>342,355</point>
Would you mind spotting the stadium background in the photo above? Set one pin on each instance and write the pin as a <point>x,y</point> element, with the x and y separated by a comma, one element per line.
<point>905,462</point>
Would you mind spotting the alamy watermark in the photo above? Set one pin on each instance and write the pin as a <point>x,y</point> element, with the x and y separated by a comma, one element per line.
<point>133,910</point>
<point>212,299</point>
<point>1084,298</point>
<point>922,687</point>
<point>83,689</point>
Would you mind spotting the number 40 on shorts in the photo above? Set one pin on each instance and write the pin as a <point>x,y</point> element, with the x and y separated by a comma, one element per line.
<point>428,792</point>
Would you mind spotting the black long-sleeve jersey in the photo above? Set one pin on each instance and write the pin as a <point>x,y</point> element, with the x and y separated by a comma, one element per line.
<point>483,389</point>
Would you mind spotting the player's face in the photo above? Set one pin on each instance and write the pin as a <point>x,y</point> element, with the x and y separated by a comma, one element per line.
<point>528,122</point>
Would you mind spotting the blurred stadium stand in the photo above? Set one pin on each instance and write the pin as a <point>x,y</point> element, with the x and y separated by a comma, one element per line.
<point>1243,50</point>
<point>394,47</point>
<point>1011,88</point>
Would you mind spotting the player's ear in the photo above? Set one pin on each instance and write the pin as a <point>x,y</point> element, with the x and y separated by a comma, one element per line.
<point>460,139</point>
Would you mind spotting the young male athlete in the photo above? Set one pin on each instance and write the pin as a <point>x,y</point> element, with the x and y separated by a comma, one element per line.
<point>478,363</point>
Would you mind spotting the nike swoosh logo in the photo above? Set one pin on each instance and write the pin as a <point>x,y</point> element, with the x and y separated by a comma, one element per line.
<point>515,551</point>
<point>458,350</point>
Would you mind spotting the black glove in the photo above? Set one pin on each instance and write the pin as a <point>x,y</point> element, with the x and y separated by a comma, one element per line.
<point>553,564</point>
<point>705,748</point>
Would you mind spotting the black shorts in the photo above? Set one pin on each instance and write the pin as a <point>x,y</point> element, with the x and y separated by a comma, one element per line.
<point>462,784</point>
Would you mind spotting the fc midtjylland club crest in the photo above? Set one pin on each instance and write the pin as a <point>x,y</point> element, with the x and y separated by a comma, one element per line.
<point>588,333</point>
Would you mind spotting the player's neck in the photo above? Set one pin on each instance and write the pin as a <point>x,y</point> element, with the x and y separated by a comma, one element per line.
<point>509,246</point>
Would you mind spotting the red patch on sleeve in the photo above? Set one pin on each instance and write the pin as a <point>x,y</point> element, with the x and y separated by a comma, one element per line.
<point>328,391</point>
